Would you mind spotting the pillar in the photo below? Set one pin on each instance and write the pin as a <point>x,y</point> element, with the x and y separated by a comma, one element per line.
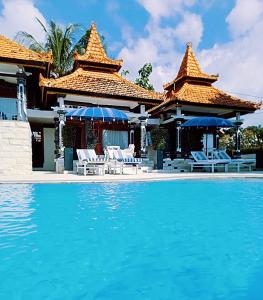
<point>143,123</point>
<point>61,102</point>
<point>178,122</point>
<point>238,124</point>
<point>21,95</point>
<point>59,128</point>
<point>56,140</point>
<point>131,134</point>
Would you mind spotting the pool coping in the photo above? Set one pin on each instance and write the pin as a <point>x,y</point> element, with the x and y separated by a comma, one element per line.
<point>43,177</point>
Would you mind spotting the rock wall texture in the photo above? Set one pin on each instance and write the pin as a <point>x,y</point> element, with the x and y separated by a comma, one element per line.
<point>15,148</point>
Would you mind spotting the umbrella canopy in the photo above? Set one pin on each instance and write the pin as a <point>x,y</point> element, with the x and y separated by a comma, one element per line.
<point>97,114</point>
<point>208,122</point>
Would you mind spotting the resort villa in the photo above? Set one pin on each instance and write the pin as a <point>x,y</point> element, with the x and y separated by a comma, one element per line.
<point>34,108</point>
<point>111,190</point>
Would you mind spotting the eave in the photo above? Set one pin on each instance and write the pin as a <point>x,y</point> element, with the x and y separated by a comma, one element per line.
<point>51,90</point>
<point>168,105</point>
<point>25,63</point>
<point>96,66</point>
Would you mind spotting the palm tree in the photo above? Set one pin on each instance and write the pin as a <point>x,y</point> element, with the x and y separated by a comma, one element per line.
<point>60,41</point>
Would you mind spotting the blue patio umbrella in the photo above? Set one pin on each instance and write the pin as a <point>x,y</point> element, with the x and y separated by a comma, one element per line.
<point>97,114</point>
<point>208,122</point>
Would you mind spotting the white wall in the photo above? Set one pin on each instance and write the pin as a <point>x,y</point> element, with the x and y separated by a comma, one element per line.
<point>15,148</point>
<point>49,148</point>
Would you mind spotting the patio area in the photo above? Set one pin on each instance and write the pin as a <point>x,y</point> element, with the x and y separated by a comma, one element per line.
<point>51,177</point>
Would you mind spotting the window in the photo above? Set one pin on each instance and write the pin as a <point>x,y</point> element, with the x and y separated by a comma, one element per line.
<point>115,138</point>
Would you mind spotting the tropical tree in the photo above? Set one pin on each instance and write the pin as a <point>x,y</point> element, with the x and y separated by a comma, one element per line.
<point>251,138</point>
<point>59,41</point>
<point>124,73</point>
<point>143,79</point>
<point>62,42</point>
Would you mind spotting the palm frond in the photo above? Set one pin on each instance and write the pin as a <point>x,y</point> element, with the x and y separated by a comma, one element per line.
<point>29,41</point>
<point>42,25</point>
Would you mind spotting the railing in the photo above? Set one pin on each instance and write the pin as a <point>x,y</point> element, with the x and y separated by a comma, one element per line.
<point>9,109</point>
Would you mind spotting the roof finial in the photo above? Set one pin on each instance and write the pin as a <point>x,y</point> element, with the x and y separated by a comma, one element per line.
<point>189,45</point>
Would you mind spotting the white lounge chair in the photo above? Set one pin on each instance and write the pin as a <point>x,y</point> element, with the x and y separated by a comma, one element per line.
<point>201,160</point>
<point>113,165</point>
<point>127,159</point>
<point>90,162</point>
<point>237,162</point>
<point>129,151</point>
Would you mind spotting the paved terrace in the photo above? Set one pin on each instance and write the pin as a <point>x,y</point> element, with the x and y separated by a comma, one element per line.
<point>51,177</point>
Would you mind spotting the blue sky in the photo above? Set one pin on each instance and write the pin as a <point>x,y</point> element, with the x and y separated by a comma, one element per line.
<point>226,35</point>
<point>111,15</point>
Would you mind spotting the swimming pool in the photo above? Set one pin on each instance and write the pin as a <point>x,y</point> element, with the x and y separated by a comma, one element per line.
<point>160,240</point>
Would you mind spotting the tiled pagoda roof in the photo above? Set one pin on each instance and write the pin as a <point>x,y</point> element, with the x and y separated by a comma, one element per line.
<point>203,95</point>
<point>103,84</point>
<point>190,70</point>
<point>95,54</point>
<point>193,87</point>
<point>10,50</point>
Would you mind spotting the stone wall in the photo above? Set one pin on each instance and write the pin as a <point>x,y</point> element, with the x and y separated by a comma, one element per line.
<point>15,148</point>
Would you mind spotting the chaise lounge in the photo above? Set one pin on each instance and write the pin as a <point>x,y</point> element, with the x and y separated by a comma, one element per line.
<point>201,160</point>
<point>238,162</point>
<point>90,162</point>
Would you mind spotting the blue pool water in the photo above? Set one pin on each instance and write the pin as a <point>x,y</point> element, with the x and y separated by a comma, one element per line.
<point>150,241</point>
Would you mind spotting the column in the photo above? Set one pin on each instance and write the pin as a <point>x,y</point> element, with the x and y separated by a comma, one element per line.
<point>131,134</point>
<point>238,124</point>
<point>57,148</point>
<point>21,95</point>
<point>143,122</point>
<point>61,123</point>
<point>61,101</point>
<point>178,122</point>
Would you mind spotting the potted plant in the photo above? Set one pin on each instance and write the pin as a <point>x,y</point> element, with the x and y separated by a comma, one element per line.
<point>159,143</point>
<point>69,142</point>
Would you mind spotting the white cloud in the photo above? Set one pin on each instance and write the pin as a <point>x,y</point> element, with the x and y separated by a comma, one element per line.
<point>244,16</point>
<point>190,29</point>
<point>238,62</point>
<point>165,8</point>
<point>158,48</point>
<point>159,44</point>
<point>18,15</point>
